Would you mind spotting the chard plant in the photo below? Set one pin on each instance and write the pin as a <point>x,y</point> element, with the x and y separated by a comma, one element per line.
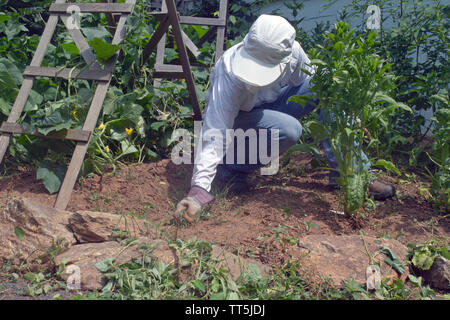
<point>352,84</point>
<point>440,152</point>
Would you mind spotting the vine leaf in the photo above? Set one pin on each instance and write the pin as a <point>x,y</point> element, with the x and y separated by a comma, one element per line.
<point>51,175</point>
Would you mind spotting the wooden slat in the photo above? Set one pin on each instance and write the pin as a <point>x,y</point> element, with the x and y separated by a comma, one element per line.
<point>223,9</point>
<point>202,21</point>
<point>155,39</point>
<point>21,99</point>
<point>175,68</point>
<point>27,83</point>
<point>168,68</point>
<point>91,120</point>
<point>207,36</point>
<point>70,134</point>
<point>166,75</point>
<point>82,45</point>
<point>109,17</point>
<point>93,7</point>
<point>220,41</point>
<point>159,15</point>
<point>66,73</point>
<point>190,45</point>
<point>168,71</point>
<point>195,20</point>
<point>175,22</point>
<point>219,23</point>
<point>161,48</point>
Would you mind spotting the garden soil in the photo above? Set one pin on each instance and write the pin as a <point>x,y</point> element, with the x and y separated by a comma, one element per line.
<point>260,224</point>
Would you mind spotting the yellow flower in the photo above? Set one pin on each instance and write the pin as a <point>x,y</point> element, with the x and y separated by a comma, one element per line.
<point>74,113</point>
<point>101,126</point>
<point>153,142</point>
<point>129,131</point>
<point>107,149</point>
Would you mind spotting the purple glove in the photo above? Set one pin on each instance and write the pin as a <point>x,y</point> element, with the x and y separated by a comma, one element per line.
<point>193,202</point>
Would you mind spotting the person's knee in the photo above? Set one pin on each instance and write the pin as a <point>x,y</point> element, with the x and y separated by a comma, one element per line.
<point>290,133</point>
<point>289,129</point>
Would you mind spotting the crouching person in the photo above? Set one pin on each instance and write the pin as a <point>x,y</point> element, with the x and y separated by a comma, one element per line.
<point>249,90</point>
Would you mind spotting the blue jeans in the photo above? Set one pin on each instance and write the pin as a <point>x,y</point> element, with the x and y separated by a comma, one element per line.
<point>281,115</point>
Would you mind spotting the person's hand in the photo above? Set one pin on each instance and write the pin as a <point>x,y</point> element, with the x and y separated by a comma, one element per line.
<point>193,203</point>
<point>188,208</point>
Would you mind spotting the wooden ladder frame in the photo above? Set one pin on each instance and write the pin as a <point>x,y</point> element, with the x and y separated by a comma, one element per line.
<point>116,14</point>
<point>169,16</point>
<point>59,9</point>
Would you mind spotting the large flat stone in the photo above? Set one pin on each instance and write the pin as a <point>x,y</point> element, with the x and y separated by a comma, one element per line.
<point>89,226</point>
<point>234,264</point>
<point>344,257</point>
<point>42,226</point>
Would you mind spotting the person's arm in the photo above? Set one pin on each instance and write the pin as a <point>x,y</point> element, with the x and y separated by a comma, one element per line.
<point>222,108</point>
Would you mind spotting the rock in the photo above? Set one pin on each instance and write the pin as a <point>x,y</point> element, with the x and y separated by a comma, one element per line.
<point>439,274</point>
<point>235,264</point>
<point>344,257</point>
<point>42,227</point>
<point>89,227</point>
<point>85,256</point>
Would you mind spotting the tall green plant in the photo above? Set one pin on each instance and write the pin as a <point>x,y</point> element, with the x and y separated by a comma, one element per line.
<point>352,83</point>
<point>414,37</point>
<point>440,155</point>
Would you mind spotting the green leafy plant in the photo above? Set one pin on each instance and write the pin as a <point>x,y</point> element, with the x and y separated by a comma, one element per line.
<point>422,255</point>
<point>440,155</point>
<point>309,225</point>
<point>198,276</point>
<point>414,37</point>
<point>103,50</point>
<point>42,283</point>
<point>137,118</point>
<point>351,82</point>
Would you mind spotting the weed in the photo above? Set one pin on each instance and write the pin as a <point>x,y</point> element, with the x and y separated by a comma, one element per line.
<point>422,255</point>
<point>95,195</point>
<point>287,212</point>
<point>204,215</point>
<point>148,205</point>
<point>40,283</point>
<point>309,225</point>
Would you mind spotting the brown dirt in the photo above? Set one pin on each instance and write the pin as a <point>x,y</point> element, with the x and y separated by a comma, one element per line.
<point>259,224</point>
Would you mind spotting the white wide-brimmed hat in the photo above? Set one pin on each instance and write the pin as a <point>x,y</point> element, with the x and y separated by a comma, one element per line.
<point>265,51</point>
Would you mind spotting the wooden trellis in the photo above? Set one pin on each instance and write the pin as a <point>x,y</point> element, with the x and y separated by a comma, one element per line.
<point>169,16</point>
<point>218,24</point>
<point>116,14</point>
<point>61,10</point>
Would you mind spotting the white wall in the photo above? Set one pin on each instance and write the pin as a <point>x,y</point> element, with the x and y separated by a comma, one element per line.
<point>313,12</point>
